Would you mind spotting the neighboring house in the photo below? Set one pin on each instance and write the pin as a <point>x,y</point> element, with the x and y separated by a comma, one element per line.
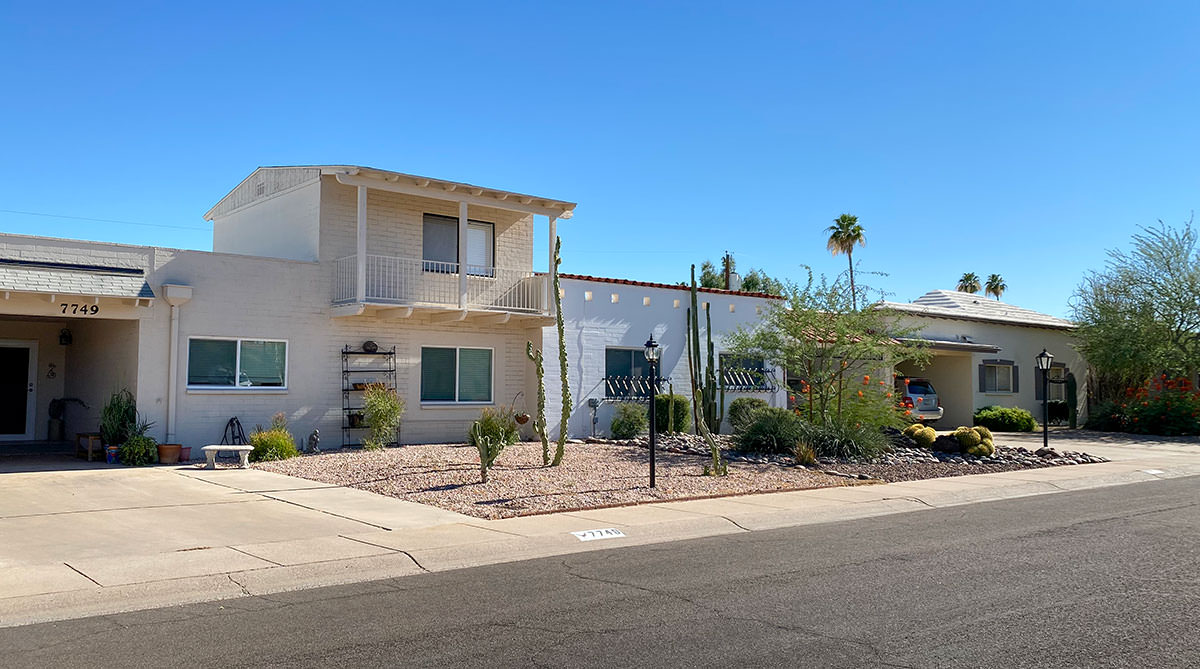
<point>607,322</point>
<point>306,262</point>
<point>983,353</point>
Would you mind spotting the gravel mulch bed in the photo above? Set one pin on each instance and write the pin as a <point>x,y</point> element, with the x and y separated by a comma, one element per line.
<point>592,475</point>
<point>903,463</point>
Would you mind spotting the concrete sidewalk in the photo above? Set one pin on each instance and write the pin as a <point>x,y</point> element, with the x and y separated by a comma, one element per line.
<point>124,539</point>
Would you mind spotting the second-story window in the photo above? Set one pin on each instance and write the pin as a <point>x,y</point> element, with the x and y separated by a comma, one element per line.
<point>439,245</point>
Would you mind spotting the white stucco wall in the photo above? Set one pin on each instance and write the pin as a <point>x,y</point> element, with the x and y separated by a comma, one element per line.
<point>593,326</point>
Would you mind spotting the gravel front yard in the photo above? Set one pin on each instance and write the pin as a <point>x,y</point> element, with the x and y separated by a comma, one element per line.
<point>592,475</point>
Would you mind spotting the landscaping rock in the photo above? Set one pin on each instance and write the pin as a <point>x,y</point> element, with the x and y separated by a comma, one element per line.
<point>947,444</point>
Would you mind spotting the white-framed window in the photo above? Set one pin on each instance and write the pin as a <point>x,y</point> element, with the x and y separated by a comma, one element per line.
<point>744,374</point>
<point>439,245</point>
<point>456,375</point>
<point>998,378</point>
<point>1058,391</point>
<point>234,363</point>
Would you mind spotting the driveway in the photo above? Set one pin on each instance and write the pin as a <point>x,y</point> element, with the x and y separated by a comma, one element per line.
<point>68,524</point>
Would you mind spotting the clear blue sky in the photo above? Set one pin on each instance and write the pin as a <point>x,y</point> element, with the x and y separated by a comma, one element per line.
<point>1023,138</point>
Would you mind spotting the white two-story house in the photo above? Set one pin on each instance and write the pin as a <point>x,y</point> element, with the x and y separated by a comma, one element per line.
<point>308,265</point>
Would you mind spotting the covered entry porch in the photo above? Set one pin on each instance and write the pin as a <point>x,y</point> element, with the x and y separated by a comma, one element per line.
<point>63,354</point>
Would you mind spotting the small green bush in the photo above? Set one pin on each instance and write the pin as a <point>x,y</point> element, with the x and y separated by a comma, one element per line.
<point>770,430</point>
<point>805,455</point>
<point>629,420</point>
<point>138,450</point>
<point>499,427</point>
<point>274,443</point>
<point>1005,419</point>
<point>668,407</point>
<point>741,409</point>
<point>924,436</point>
<point>118,418</point>
<point>382,410</point>
<point>845,440</point>
<point>1107,417</point>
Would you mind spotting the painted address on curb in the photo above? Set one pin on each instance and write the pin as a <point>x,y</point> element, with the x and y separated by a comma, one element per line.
<point>593,535</point>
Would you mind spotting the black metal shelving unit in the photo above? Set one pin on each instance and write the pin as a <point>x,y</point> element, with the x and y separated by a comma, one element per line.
<point>358,368</point>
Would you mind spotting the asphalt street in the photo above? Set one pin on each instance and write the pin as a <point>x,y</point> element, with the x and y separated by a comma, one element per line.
<point>1100,578</point>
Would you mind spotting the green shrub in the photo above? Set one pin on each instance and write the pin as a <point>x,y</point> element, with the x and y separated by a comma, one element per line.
<point>629,420</point>
<point>274,443</point>
<point>770,430</point>
<point>1058,411</point>
<point>924,436</point>
<point>118,418</point>
<point>138,450</point>
<point>1106,417</point>
<point>741,409</point>
<point>382,409</point>
<point>668,407</point>
<point>499,427</point>
<point>1005,419</point>
<point>805,455</point>
<point>845,440</point>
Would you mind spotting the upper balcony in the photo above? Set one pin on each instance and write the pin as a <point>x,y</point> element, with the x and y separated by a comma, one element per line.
<point>392,281</point>
<point>444,250</point>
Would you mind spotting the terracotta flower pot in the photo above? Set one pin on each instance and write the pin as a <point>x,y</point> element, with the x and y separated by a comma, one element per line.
<point>168,454</point>
<point>521,418</point>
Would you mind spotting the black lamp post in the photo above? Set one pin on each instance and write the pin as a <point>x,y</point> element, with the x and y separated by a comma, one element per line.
<point>1043,361</point>
<point>652,354</point>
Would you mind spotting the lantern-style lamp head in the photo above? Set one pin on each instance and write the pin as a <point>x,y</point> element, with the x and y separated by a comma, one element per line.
<point>1044,359</point>
<point>652,350</point>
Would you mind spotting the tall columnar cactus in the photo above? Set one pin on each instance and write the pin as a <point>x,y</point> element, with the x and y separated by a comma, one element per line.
<point>562,356</point>
<point>1072,401</point>
<point>699,395</point>
<point>539,423</point>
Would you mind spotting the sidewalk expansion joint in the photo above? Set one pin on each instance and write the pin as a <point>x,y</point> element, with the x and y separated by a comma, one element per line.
<point>83,574</point>
<point>256,557</point>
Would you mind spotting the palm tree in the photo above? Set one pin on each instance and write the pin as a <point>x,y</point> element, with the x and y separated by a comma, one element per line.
<point>995,286</point>
<point>844,235</point>
<point>969,283</point>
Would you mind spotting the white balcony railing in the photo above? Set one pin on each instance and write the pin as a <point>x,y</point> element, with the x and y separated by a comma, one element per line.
<point>415,282</point>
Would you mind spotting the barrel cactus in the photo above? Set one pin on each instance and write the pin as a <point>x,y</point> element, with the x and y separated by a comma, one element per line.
<point>967,437</point>
<point>912,429</point>
<point>924,436</point>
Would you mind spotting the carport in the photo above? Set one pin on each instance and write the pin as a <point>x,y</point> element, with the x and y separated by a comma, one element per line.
<point>951,370</point>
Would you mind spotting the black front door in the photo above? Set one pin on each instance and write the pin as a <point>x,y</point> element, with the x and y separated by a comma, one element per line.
<point>14,390</point>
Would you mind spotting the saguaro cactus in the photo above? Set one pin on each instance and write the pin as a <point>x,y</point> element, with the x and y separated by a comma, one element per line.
<point>539,423</point>
<point>701,411</point>
<point>562,356</point>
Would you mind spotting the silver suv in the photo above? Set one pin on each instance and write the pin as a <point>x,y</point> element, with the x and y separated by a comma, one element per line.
<point>917,395</point>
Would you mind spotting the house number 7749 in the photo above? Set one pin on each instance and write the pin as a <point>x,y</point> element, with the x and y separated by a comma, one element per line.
<point>80,309</point>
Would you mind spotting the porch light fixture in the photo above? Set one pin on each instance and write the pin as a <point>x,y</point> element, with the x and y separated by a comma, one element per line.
<point>652,352</point>
<point>64,337</point>
<point>1043,361</point>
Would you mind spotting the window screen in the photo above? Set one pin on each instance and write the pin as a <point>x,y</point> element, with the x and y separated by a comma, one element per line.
<point>263,364</point>
<point>474,375</point>
<point>439,240</point>
<point>998,379</point>
<point>437,374</point>
<point>212,362</point>
<point>479,248</point>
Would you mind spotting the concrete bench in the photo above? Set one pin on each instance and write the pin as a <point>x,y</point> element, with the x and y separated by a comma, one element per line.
<point>243,452</point>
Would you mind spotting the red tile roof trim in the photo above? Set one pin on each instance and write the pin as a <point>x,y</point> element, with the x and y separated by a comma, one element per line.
<point>648,284</point>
